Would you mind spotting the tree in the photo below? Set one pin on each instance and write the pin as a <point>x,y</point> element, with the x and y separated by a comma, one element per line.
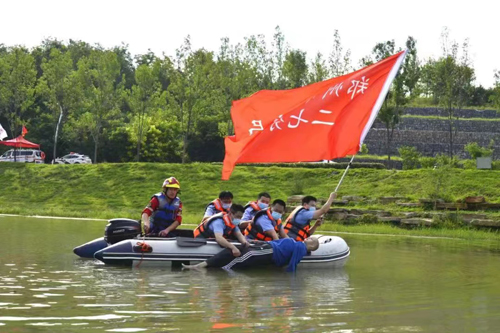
<point>277,60</point>
<point>193,93</point>
<point>339,62</point>
<point>162,144</point>
<point>391,111</point>
<point>257,56</point>
<point>495,96</point>
<point>144,97</point>
<point>318,71</point>
<point>17,86</point>
<point>98,75</point>
<point>452,81</point>
<point>402,89</point>
<point>295,69</point>
<point>58,87</point>
<point>412,70</point>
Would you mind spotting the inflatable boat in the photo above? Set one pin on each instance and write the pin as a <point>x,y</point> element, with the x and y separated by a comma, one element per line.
<point>122,244</point>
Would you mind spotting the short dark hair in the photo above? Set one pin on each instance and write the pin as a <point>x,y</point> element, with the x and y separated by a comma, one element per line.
<point>235,208</point>
<point>279,202</point>
<point>264,194</point>
<point>225,195</point>
<point>308,198</point>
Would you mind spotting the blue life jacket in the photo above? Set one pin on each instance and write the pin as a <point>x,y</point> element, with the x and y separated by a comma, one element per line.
<point>166,213</point>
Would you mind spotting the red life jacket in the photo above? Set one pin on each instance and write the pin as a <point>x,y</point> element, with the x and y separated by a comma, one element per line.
<point>203,231</point>
<point>255,231</point>
<point>294,230</point>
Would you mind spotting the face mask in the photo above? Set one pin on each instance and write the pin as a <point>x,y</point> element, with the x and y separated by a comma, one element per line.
<point>262,205</point>
<point>226,205</point>
<point>312,209</point>
<point>236,222</point>
<point>276,215</point>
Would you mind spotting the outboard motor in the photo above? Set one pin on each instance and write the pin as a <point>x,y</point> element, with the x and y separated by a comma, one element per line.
<point>120,229</point>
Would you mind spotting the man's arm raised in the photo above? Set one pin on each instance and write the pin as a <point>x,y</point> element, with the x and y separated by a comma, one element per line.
<point>323,210</point>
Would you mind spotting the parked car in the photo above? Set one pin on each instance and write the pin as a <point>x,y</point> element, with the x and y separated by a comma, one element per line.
<point>73,158</point>
<point>23,155</point>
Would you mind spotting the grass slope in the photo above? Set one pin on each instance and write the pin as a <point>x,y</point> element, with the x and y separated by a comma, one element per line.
<point>122,190</point>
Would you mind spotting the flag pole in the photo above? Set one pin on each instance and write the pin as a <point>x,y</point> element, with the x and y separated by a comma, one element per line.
<point>345,172</point>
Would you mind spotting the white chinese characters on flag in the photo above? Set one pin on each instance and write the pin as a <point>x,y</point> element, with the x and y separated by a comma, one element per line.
<point>324,120</point>
<point>3,133</point>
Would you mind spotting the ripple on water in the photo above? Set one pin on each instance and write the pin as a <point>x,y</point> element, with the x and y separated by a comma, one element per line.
<point>45,295</point>
<point>49,289</point>
<point>99,317</point>
<point>127,330</point>
<point>159,312</point>
<point>44,324</point>
<point>103,305</point>
<point>174,292</point>
<point>38,305</point>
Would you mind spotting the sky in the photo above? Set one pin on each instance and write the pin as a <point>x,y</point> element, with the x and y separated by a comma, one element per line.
<point>307,25</point>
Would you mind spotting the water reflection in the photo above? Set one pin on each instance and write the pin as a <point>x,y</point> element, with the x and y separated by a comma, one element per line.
<point>388,285</point>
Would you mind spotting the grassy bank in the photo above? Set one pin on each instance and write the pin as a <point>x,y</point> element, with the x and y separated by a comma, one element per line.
<point>122,190</point>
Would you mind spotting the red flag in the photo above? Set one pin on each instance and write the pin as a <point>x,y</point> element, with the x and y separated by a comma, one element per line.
<point>324,120</point>
<point>24,131</point>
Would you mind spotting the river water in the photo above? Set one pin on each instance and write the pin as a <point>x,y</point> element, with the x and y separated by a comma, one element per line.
<point>390,284</point>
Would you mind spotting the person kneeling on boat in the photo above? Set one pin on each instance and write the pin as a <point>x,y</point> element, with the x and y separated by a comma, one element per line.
<point>253,207</point>
<point>224,226</point>
<point>219,205</point>
<point>163,214</point>
<point>266,225</point>
<point>298,223</point>
<point>279,252</point>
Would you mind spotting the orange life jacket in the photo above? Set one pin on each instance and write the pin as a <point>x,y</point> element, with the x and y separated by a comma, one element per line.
<point>294,230</point>
<point>203,231</point>
<point>254,230</point>
<point>254,205</point>
<point>217,203</point>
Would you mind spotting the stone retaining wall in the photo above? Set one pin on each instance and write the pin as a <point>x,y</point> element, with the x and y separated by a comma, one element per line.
<point>466,113</point>
<point>431,136</point>
<point>429,143</point>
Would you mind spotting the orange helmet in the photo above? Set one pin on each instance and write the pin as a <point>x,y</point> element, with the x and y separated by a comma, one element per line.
<point>171,182</point>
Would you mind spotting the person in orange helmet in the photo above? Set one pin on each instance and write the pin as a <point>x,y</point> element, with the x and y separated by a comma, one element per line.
<point>163,214</point>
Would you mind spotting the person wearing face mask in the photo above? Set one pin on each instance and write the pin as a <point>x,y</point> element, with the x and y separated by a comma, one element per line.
<point>219,205</point>
<point>266,225</point>
<point>281,252</point>
<point>298,223</point>
<point>222,227</point>
<point>253,207</point>
<point>163,214</point>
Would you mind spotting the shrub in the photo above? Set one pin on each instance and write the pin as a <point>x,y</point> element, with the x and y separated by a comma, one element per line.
<point>410,157</point>
<point>469,164</point>
<point>438,183</point>
<point>449,220</point>
<point>476,150</point>
<point>427,162</point>
<point>445,160</point>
